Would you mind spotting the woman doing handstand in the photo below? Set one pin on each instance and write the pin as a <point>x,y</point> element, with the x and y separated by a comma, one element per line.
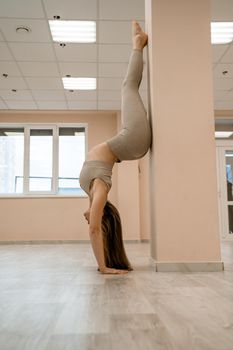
<point>131,143</point>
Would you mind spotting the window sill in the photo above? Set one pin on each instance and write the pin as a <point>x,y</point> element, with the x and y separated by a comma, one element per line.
<point>41,196</point>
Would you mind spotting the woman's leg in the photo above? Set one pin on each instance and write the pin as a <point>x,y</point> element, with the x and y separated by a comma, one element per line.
<point>132,108</point>
<point>134,138</point>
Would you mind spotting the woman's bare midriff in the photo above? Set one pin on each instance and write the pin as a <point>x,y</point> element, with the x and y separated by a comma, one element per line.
<point>102,152</point>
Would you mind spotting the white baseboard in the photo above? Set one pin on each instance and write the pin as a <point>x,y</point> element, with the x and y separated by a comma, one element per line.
<point>65,241</point>
<point>195,266</point>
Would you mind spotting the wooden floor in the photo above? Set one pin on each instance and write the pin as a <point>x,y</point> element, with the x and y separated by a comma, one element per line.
<point>53,298</point>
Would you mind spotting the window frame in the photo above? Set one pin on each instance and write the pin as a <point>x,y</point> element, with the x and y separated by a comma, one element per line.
<point>55,127</point>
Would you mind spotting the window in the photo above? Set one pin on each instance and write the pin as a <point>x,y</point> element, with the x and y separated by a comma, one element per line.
<point>41,159</point>
<point>71,158</point>
<point>11,160</point>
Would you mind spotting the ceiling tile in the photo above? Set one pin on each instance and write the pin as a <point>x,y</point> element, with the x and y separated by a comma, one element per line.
<point>143,94</point>
<point>44,83</point>
<point>122,9</point>
<point>12,83</point>
<point>5,54</point>
<point>116,70</point>
<point>72,9</point>
<point>223,84</point>
<point>110,83</point>
<point>114,53</point>
<point>109,95</point>
<point>228,56</point>
<point>143,85</point>
<point>32,51</point>
<point>20,104</point>
<point>227,97</point>
<point>49,95</point>
<point>22,95</point>
<point>225,105</point>
<point>40,31</point>
<point>9,68</point>
<point>113,105</point>
<point>218,51</point>
<point>39,69</point>
<point>114,32</point>
<point>81,95</point>
<point>21,9</point>
<point>76,52</point>
<point>78,70</point>
<point>3,105</point>
<point>221,67</point>
<point>221,10</point>
<point>116,83</point>
<point>112,69</point>
<point>145,101</point>
<point>36,54</point>
<point>218,94</point>
<point>51,104</point>
<point>82,105</point>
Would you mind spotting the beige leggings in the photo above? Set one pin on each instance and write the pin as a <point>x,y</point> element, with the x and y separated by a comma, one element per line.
<point>134,139</point>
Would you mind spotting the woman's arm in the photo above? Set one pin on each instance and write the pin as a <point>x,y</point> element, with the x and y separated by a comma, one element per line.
<point>99,195</point>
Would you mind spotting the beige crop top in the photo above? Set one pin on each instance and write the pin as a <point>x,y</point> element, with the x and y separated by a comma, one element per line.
<point>93,169</point>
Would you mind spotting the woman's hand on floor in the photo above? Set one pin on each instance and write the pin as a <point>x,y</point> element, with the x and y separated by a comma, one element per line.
<point>108,270</point>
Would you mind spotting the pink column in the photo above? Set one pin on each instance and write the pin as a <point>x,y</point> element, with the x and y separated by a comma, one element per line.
<point>183,180</point>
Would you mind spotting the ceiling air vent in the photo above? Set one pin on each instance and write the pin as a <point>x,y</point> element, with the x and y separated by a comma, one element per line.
<point>23,30</point>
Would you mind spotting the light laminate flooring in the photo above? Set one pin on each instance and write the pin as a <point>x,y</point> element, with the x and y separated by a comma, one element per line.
<point>53,298</point>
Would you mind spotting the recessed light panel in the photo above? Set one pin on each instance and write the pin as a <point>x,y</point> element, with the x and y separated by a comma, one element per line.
<point>221,32</point>
<point>79,83</point>
<point>73,31</point>
<point>223,134</point>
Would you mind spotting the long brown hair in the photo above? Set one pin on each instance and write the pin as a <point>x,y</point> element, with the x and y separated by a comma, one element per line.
<point>114,251</point>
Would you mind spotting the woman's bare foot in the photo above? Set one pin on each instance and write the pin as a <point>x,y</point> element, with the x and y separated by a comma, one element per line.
<point>110,271</point>
<point>139,37</point>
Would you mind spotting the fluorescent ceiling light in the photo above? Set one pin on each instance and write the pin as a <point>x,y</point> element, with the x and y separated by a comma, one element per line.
<point>223,134</point>
<point>73,31</point>
<point>221,32</point>
<point>79,83</point>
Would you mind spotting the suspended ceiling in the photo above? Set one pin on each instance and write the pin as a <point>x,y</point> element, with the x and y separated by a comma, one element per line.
<point>35,64</point>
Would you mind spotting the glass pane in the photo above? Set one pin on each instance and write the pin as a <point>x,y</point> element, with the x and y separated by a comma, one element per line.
<point>41,160</point>
<point>230,218</point>
<point>71,158</point>
<point>11,160</point>
<point>229,167</point>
